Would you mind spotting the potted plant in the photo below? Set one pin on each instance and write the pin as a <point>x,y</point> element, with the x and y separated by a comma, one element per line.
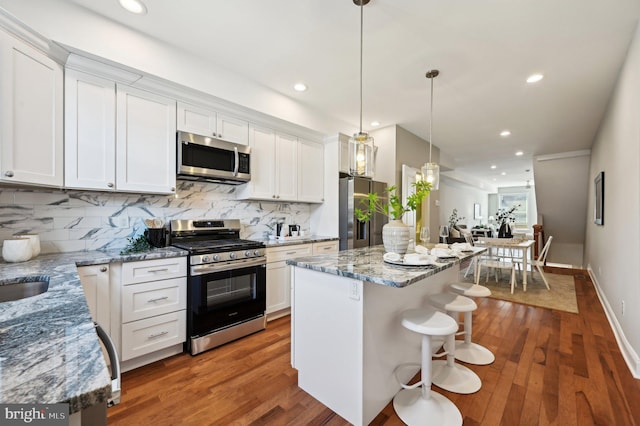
<point>395,234</point>
<point>505,219</point>
<point>454,231</point>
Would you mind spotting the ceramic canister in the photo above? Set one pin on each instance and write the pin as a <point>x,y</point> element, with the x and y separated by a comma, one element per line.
<point>34,240</point>
<point>16,250</point>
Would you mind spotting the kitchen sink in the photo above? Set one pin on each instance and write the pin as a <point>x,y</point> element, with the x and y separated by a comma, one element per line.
<point>22,288</point>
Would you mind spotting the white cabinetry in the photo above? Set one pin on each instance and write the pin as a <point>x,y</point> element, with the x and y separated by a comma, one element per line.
<point>145,141</point>
<point>310,171</point>
<point>274,166</point>
<point>279,277</point>
<point>95,283</point>
<point>206,122</point>
<point>90,132</point>
<point>153,313</point>
<point>31,115</point>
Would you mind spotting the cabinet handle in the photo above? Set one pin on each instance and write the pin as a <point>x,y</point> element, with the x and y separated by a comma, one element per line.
<point>157,299</point>
<point>173,189</point>
<point>273,196</point>
<point>110,184</point>
<point>291,252</point>
<point>8,173</point>
<point>103,269</point>
<point>159,270</point>
<point>154,335</point>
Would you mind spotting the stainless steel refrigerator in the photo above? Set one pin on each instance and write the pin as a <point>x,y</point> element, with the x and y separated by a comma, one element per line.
<point>354,233</point>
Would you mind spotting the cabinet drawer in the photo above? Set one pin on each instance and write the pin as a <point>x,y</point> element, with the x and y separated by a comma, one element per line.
<point>152,270</point>
<point>325,247</point>
<point>152,334</point>
<point>154,298</point>
<point>288,252</point>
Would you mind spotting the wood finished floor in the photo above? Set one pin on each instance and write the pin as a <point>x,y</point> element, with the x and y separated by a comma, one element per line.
<point>551,368</point>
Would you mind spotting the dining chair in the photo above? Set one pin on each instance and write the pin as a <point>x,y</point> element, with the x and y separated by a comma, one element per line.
<point>538,263</point>
<point>496,263</point>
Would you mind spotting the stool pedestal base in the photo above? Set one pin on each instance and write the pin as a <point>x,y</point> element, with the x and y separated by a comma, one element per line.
<point>413,409</point>
<point>472,353</point>
<point>455,378</point>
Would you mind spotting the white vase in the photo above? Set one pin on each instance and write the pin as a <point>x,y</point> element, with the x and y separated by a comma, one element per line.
<point>16,250</point>
<point>34,240</point>
<point>395,237</point>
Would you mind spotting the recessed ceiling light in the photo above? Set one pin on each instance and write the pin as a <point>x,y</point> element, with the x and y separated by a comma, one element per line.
<point>534,78</point>
<point>519,153</point>
<point>134,6</point>
<point>503,173</point>
<point>299,87</point>
<point>505,133</point>
<point>493,166</point>
<point>375,123</point>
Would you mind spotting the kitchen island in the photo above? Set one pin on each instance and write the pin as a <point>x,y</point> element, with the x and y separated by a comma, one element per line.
<point>346,333</point>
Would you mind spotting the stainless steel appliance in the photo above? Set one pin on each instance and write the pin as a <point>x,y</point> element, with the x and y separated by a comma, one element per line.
<point>211,159</point>
<point>226,282</point>
<point>354,233</point>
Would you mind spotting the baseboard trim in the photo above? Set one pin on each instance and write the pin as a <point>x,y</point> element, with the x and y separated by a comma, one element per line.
<point>628,353</point>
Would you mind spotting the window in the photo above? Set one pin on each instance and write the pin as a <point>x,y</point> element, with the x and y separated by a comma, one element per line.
<point>508,200</point>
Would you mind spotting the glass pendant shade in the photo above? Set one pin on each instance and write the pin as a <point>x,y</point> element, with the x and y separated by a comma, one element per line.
<point>361,155</point>
<point>431,173</point>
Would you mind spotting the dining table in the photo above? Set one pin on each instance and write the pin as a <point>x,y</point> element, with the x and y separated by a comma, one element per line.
<point>513,245</point>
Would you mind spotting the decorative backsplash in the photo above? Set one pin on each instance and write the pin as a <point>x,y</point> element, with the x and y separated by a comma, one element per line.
<point>85,220</point>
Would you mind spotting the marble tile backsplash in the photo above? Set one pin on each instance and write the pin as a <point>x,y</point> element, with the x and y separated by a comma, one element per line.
<point>73,220</point>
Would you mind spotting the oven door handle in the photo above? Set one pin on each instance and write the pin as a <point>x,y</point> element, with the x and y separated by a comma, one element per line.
<point>114,360</point>
<point>218,267</point>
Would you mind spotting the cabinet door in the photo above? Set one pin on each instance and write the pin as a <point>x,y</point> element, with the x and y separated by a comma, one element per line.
<point>31,115</point>
<point>310,172</point>
<point>145,142</point>
<point>198,120</point>
<point>233,129</point>
<point>286,167</point>
<point>90,132</point>
<point>278,287</point>
<point>95,283</point>
<point>263,163</point>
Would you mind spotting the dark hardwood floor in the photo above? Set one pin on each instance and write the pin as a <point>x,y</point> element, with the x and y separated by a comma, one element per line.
<point>551,367</point>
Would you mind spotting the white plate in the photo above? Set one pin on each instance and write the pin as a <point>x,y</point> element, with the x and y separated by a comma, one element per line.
<point>416,264</point>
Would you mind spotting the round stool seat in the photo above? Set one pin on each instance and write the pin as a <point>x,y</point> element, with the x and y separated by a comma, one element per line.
<point>470,289</point>
<point>429,322</point>
<point>452,302</point>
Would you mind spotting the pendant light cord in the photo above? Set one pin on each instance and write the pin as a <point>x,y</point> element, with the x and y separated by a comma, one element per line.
<point>361,44</point>
<point>430,119</point>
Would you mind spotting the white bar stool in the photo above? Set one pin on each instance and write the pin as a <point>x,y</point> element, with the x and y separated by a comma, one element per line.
<point>417,404</point>
<point>448,374</point>
<point>466,350</point>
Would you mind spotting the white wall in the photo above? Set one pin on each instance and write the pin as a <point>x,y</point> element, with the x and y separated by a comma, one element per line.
<point>612,250</point>
<point>460,196</point>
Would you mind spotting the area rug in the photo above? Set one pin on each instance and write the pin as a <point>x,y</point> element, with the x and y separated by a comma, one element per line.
<point>562,295</point>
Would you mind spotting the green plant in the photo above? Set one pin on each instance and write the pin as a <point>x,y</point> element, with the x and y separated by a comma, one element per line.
<point>505,215</point>
<point>454,219</point>
<point>394,208</point>
<point>136,245</point>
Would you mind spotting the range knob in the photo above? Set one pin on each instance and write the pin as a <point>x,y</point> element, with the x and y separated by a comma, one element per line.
<point>256,253</point>
<point>247,253</point>
<point>205,259</point>
<point>216,257</point>
<point>232,255</point>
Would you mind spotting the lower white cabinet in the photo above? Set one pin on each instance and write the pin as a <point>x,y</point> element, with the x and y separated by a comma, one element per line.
<point>279,277</point>
<point>95,283</point>
<point>325,247</point>
<point>153,334</point>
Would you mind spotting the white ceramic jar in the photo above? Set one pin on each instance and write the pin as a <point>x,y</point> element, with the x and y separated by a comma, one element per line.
<point>34,240</point>
<point>16,250</point>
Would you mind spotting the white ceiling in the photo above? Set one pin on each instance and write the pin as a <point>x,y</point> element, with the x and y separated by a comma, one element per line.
<point>484,50</point>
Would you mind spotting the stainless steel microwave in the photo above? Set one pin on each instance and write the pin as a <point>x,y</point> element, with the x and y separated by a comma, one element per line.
<point>211,159</point>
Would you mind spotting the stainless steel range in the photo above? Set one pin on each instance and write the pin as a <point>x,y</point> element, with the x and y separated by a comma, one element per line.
<point>226,282</point>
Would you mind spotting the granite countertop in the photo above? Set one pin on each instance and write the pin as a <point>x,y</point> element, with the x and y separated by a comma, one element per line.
<point>367,264</point>
<point>288,241</point>
<point>49,350</point>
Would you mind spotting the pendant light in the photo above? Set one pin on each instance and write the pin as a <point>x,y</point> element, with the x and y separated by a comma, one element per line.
<point>431,171</point>
<point>361,146</point>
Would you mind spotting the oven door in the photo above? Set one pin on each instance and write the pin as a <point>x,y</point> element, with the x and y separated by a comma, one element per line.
<point>224,298</point>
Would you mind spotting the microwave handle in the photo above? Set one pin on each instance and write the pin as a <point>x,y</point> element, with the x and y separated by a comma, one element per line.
<point>237,158</point>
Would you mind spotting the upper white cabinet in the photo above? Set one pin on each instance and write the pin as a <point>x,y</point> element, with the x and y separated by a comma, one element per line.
<point>206,122</point>
<point>31,115</point>
<point>145,141</point>
<point>273,166</point>
<point>90,132</point>
<point>310,172</point>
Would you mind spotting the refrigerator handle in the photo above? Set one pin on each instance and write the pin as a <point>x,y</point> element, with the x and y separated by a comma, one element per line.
<point>361,230</point>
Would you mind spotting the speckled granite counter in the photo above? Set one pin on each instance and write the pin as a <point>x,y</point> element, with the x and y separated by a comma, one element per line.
<point>367,264</point>
<point>49,350</point>
<point>296,240</point>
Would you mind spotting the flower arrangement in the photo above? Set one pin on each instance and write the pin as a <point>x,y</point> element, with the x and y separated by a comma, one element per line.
<point>504,216</point>
<point>394,208</point>
<point>454,219</point>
